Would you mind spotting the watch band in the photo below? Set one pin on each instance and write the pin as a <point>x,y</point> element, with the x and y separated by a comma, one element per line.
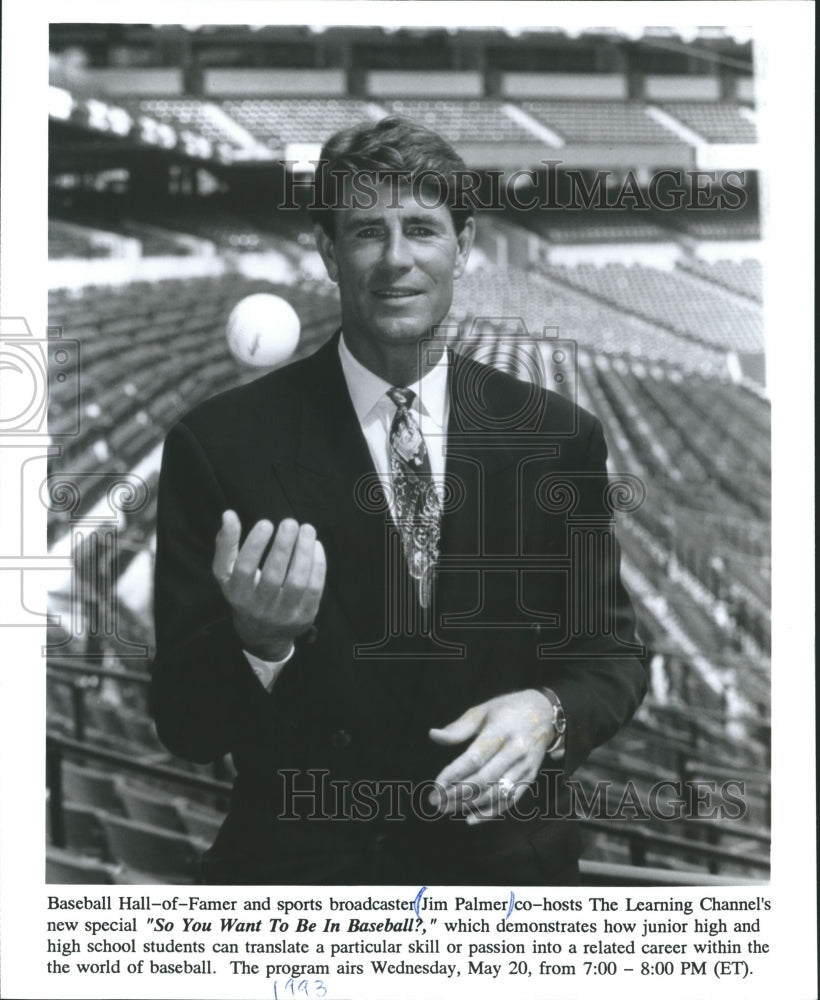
<point>559,721</point>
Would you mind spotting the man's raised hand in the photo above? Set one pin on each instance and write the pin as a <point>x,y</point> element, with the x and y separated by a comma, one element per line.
<point>275,601</point>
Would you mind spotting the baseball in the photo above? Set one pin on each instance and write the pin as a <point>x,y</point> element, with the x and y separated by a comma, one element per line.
<point>262,330</point>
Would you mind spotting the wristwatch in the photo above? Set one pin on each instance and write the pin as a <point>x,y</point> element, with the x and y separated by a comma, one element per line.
<point>559,721</point>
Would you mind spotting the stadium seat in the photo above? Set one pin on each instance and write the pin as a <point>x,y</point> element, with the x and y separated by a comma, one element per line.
<point>65,867</point>
<point>151,808</point>
<point>745,277</point>
<point>474,120</point>
<point>551,300</point>
<point>598,225</point>
<point>151,853</point>
<point>141,731</point>
<point>198,821</point>
<point>88,786</point>
<point>599,121</point>
<point>84,831</point>
<point>104,716</point>
<point>192,116</point>
<point>716,121</point>
<point>71,242</point>
<point>290,120</point>
<point>674,300</point>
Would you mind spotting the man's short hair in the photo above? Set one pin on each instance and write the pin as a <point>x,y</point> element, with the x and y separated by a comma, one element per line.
<point>394,149</point>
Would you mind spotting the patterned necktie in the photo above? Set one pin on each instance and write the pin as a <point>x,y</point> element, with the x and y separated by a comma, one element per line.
<point>417,506</point>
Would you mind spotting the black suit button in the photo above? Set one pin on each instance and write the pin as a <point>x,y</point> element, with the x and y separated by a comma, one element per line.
<point>340,739</point>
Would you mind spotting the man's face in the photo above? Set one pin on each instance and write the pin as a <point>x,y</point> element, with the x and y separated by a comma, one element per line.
<point>395,264</point>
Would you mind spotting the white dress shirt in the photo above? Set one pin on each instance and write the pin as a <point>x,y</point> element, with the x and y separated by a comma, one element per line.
<point>375,411</point>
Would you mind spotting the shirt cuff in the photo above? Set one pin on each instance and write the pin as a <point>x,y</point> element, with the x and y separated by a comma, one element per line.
<point>267,670</point>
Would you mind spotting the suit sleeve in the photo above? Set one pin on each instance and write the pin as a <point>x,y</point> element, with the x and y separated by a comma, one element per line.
<point>205,696</point>
<point>603,679</point>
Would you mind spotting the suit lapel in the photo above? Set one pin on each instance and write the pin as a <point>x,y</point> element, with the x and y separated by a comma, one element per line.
<point>493,426</point>
<point>481,436</point>
<point>331,482</point>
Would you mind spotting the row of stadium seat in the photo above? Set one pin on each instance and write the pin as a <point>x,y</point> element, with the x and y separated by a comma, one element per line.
<point>463,121</point>
<point>72,242</point>
<point>744,277</point>
<point>161,231</point>
<point>716,121</point>
<point>278,121</point>
<point>159,227</point>
<point>201,117</point>
<point>296,120</point>
<point>553,301</point>
<point>672,430</point>
<point>123,850</point>
<point>100,789</point>
<point>599,121</point>
<point>599,225</point>
<point>675,300</point>
<point>121,830</point>
<point>146,356</point>
<point>724,455</point>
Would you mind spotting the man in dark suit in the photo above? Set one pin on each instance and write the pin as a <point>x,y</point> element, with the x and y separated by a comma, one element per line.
<point>411,625</point>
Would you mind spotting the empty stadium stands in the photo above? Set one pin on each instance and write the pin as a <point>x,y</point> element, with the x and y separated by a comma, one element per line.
<point>69,867</point>
<point>198,117</point>
<point>463,121</point>
<point>717,225</point>
<point>295,120</point>
<point>279,121</point>
<point>218,224</point>
<point>674,300</point>
<point>152,854</point>
<point>652,349</point>
<point>84,229</point>
<point>745,277</point>
<point>161,226</point>
<point>715,121</point>
<point>599,121</point>
<point>596,226</point>
<point>556,299</point>
<point>168,337</point>
<point>65,242</point>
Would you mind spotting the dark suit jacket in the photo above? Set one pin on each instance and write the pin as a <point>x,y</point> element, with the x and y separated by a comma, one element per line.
<point>527,594</point>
